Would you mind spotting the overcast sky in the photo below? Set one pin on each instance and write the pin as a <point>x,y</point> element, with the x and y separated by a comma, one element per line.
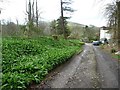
<point>87,11</point>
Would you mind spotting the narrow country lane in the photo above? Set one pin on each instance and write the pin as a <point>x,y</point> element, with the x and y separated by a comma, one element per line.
<point>93,68</point>
<point>107,68</point>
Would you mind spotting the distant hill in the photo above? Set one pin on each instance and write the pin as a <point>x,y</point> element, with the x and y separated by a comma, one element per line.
<point>77,24</point>
<point>79,30</point>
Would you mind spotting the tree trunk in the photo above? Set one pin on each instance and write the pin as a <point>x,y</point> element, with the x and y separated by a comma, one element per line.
<point>62,20</point>
<point>29,18</point>
<point>114,29</point>
<point>118,24</point>
<point>37,14</point>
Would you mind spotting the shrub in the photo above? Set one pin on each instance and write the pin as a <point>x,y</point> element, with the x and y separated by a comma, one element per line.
<point>113,50</point>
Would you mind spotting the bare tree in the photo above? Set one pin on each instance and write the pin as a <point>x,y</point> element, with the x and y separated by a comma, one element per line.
<point>37,16</point>
<point>111,15</point>
<point>33,15</point>
<point>30,18</point>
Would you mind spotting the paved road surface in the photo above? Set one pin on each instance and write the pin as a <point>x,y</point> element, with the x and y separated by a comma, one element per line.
<point>92,68</point>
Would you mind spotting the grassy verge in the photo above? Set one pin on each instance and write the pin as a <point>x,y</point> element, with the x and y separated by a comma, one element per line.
<point>117,57</point>
<point>110,50</point>
<point>30,60</point>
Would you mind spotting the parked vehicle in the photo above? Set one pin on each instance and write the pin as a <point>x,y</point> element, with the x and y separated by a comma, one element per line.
<point>104,40</point>
<point>96,43</point>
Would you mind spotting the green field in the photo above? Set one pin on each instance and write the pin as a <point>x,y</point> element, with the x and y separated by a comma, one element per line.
<point>30,60</point>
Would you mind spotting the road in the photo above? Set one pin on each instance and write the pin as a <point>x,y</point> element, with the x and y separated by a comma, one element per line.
<point>92,68</point>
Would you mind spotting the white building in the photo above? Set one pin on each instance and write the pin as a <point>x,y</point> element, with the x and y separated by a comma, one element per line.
<point>104,33</point>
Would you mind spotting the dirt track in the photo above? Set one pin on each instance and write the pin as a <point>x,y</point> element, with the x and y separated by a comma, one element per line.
<point>92,68</point>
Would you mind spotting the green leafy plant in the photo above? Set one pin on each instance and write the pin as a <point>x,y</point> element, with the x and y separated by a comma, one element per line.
<point>30,60</point>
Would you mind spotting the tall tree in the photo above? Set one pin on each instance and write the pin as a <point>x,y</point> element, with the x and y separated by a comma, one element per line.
<point>29,10</point>
<point>60,27</point>
<point>65,7</point>
<point>37,16</point>
<point>0,20</point>
<point>62,19</point>
<point>114,19</point>
<point>111,15</point>
<point>33,15</point>
<point>53,27</point>
<point>56,27</point>
<point>118,24</point>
